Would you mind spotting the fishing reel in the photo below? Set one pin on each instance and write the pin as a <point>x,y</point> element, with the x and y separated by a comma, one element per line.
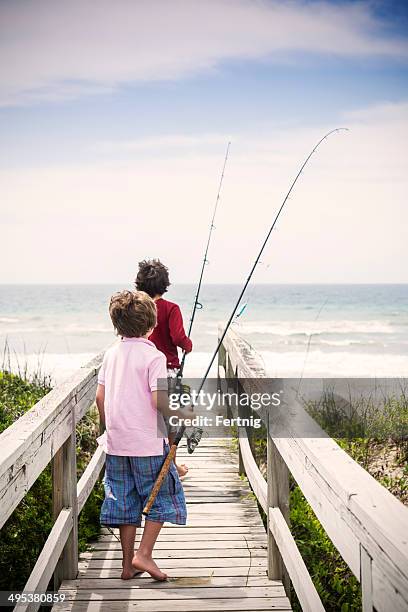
<point>193,439</point>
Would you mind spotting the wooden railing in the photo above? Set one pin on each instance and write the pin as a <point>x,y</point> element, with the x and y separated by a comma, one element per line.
<point>366,523</point>
<point>45,434</point>
<point>368,526</point>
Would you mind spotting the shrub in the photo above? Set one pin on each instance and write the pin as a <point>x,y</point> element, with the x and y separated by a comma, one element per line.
<point>338,589</point>
<point>24,534</point>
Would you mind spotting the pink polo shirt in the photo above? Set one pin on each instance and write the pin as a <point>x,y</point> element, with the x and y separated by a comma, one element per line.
<point>130,371</point>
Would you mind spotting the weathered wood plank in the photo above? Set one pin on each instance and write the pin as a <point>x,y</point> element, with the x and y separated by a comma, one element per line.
<point>244,359</point>
<point>242,506</point>
<point>146,593</point>
<point>223,457</point>
<point>88,479</point>
<point>220,453</point>
<point>46,562</point>
<point>186,582</point>
<point>245,516</point>
<point>381,592</point>
<point>229,478</point>
<point>191,485</point>
<point>182,572</point>
<point>278,496</point>
<point>200,512</point>
<point>231,495</point>
<point>256,480</point>
<point>189,530</point>
<point>188,545</point>
<point>199,553</point>
<point>252,604</point>
<point>222,521</point>
<point>200,490</point>
<point>214,500</point>
<point>299,575</point>
<point>198,537</point>
<point>366,581</point>
<point>247,562</point>
<point>64,483</point>
<point>212,468</point>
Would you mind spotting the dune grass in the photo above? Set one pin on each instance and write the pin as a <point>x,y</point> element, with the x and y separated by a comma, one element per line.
<point>375,435</point>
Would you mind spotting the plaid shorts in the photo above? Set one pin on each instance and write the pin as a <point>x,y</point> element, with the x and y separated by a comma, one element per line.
<point>128,482</point>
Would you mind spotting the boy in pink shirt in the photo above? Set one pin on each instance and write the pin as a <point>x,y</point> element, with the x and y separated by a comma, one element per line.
<point>131,396</point>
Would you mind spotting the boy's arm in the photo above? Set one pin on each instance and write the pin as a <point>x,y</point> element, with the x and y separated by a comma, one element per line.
<point>159,388</point>
<point>177,332</point>
<point>100,403</point>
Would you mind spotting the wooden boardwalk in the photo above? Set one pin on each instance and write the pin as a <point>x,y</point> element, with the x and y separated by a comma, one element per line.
<point>217,562</point>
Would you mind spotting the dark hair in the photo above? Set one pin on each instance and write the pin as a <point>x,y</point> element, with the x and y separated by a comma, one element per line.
<point>153,277</point>
<point>133,313</point>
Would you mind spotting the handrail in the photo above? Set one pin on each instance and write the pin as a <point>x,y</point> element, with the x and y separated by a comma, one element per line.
<point>294,563</point>
<point>47,433</point>
<point>257,481</point>
<point>366,523</point>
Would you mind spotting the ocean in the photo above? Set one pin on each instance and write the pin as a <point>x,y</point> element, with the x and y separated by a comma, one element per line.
<point>320,330</point>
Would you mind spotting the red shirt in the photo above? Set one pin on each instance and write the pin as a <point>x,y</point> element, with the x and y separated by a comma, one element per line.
<point>169,332</point>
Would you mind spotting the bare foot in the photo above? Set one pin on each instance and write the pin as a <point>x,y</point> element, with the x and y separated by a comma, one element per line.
<point>128,574</point>
<point>182,470</point>
<point>146,564</point>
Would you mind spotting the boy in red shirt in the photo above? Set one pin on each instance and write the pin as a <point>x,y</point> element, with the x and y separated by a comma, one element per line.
<point>169,333</point>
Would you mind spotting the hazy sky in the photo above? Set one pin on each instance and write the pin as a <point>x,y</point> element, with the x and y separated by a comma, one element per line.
<point>115,116</point>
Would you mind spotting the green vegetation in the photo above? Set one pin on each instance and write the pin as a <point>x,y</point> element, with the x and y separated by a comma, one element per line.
<point>337,587</point>
<point>376,436</point>
<point>24,534</point>
<point>374,433</point>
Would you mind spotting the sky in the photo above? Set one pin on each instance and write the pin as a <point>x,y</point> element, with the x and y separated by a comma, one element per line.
<point>115,117</point>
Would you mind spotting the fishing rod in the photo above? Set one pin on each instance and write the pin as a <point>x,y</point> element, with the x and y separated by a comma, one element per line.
<point>197,305</point>
<point>195,437</point>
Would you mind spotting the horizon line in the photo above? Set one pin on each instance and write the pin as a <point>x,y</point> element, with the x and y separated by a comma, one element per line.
<point>220,283</point>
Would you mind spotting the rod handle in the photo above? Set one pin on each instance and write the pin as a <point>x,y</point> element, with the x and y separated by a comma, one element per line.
<point>159,480</point>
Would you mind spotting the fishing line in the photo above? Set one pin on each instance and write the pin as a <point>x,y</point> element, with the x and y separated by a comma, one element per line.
<point>197,304</point>
<point>258,257</point>
<point>194,440</point>
<point>309,344</point>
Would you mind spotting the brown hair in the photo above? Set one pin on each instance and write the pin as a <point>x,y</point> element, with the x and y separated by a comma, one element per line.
<point>153,277</point>
<point>133,313</point>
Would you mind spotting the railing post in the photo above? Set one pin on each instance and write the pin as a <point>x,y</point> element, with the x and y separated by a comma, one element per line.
<point>278,497</point>
<point>241,466</point>
<point>231,376</point>
<point>366,580</point>
<point>64,495</point>
<point>221,359</point>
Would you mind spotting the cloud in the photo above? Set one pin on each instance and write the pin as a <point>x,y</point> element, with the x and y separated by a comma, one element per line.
<point>161,144</point>
<point>61,50</point>
<point>389,112</point>
<point>346,220</point>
